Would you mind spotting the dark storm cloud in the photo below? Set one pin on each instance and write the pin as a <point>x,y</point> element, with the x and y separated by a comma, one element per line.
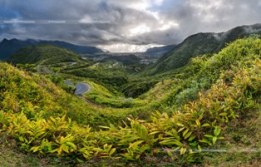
<point>108,22</point>
<point>100,22</point>
<point>211,16</point>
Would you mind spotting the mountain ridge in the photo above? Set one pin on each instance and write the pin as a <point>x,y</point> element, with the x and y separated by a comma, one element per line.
<point>9,47</point>
<point>157,52</point>
<point>199,44</point>
<point>36,54</point>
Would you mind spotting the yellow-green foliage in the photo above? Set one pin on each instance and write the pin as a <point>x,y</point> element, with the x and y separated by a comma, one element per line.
<point>38,97</point>
<point>20,92</point>
<point>182,85</point>
<point>197,124</point>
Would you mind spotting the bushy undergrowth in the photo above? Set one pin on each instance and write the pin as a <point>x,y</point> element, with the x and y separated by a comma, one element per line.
<point>176,137</point>
<point>36,97</point>
<point>203,71</point>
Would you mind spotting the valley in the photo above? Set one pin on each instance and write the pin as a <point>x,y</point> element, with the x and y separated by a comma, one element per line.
<point>64,105</point>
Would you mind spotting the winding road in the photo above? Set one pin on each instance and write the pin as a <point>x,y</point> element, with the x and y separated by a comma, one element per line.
<point>81,88</point>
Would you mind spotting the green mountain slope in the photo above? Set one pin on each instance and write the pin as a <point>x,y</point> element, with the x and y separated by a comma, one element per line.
<point>42,119</point>
<point>198,44</point>
<point>47,59</point>
<point>11,46</point>
<point>36,96</point>
<point>43,54</point>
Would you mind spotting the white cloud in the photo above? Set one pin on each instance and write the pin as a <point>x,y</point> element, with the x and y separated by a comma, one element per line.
<point>86,19</point>
<point>138,30</point>
<point>120,47</point>
<point>166,25</point>
<point>142,5</point>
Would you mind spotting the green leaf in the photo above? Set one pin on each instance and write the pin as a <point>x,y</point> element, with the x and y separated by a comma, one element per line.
<point>21,139</point>
<point>112,151</point>
<point>185,132</point>
<point>205,141</point>
<point>180,124</point>
<point>104,127</point>
<point>187,135</point>
<point>217,131</point>
<point>191,138</point>
<point>135,144</point>
<point>182,150</point>
<point>199,148</point>
<point>72,145</point>
<point>35,149</point>
<point>206,125</point>
<point>214,140</point>
<point>223,114</point>
<point>171,142</point>
<point>209,136</point>
<point>181,129</point>
<point>154,132</point>
<point>198,122</point>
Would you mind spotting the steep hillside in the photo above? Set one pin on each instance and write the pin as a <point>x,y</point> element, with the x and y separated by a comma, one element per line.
<point>38,97</point>
<point>204,106</point>
<point>47,59</point>
<point>79,49</point>
<point>9,47</point>
<point>157,52</point>
<point>198,44</point>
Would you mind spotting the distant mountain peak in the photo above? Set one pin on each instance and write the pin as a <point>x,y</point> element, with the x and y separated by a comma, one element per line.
<point>4,40</point>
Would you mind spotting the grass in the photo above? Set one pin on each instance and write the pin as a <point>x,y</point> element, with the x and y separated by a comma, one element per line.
<point>242,141</point>
<point>10,156</point>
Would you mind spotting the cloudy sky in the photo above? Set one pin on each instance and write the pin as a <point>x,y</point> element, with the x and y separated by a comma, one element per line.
<point>122,25</point>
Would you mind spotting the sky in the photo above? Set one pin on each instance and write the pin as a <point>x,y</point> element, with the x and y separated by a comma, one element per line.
<point>122,25</point>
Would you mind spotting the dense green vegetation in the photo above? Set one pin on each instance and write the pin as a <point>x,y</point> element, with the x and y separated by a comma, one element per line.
<point>202,105</point>
<point>44,54</point>
<point>10,46</point>
<point>126,59</point>
<point>52,60</point>
<point>114,79</point>
<point>137,88</point>
<point>36,96</point>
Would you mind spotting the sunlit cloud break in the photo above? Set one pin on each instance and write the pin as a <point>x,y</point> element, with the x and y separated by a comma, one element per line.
<point>121,48</point>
